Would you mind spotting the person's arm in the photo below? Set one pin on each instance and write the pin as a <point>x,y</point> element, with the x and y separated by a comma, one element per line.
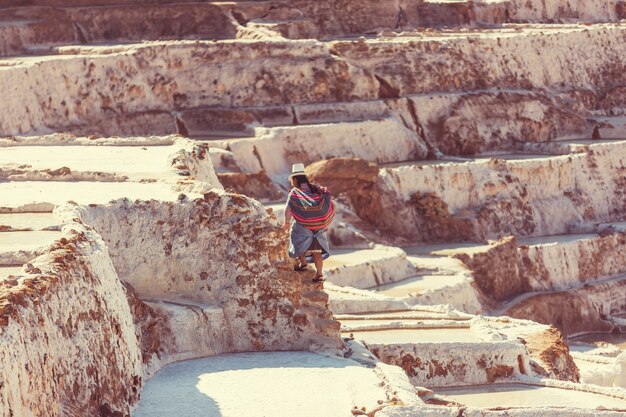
<point>287,216</point>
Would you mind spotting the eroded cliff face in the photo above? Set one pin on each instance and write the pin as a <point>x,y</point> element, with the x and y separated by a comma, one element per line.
<point>324,19</point>
<point>441,93</point>
<point>55,22</point>
<point>552,353</point>
<point>532,104</point>
<point>116,83</point>
<point>576,311</point>
<point>594,10</point>
<point>534,197</point>
<point>222,252</point>
<point>46,24</point>
<point>69,309</point>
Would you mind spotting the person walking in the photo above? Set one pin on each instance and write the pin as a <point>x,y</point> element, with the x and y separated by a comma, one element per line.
<point>308,213</point>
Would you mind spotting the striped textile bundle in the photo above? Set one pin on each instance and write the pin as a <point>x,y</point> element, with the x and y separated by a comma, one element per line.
<point>314,210</point>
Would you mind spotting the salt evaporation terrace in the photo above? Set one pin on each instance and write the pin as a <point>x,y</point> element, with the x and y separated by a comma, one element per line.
<point>475,150</point>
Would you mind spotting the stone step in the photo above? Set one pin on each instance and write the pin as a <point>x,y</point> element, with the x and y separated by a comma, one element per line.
<point>215,123</point>
<point>563,262</point>
<point>315,298</point>
<point>553,149</point>
<point>504,156</point>
<point>371,18</point>
<point>329,326</point>
<point>307,282</point>
<point>153,111</point>
<point>217,127</point>
<point>564,258</point>
<point>315,312</point>
<point>440,280</point>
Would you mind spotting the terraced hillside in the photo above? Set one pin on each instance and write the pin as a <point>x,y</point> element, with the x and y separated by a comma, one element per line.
<point>475,150</point>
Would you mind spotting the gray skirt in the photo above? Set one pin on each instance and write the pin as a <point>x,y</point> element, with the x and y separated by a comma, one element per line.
<point>303,240</point>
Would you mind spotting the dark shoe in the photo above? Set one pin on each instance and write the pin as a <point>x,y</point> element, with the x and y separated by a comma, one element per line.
<point>300,267</point>
<point>318,278</point>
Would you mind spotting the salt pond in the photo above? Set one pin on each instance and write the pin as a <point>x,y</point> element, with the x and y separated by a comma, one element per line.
<point>416,336</point>
<point>260,384</point>
<point>29,221</point>
<point>617,339</point>
<point>520,395</point>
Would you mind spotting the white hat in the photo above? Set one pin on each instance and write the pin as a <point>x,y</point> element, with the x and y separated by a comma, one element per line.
<point>296,169</point>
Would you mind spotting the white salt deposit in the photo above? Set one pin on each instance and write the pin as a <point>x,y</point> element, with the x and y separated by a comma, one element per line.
<point>345,257</point>
<point>418,284</point>
<point>14,241</point>
<point>366,268</point>
<point>18,194</point>
<point>447,249</point>
<point>284,384</point>
<point>5,271</point>
<point>135,161</point>
<point>29,221</point>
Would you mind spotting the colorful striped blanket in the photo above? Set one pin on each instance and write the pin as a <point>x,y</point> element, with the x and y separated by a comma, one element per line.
<point>314,210</point>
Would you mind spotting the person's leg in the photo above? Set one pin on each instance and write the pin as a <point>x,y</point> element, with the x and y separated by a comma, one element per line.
<point>301,263</point>
<point>319,263</point>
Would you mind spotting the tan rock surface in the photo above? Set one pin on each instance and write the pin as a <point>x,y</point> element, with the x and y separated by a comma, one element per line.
<point>553,353</point>
<point>496,271</point>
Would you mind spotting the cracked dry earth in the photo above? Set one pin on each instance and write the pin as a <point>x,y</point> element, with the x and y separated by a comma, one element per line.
<point>475,150</point>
